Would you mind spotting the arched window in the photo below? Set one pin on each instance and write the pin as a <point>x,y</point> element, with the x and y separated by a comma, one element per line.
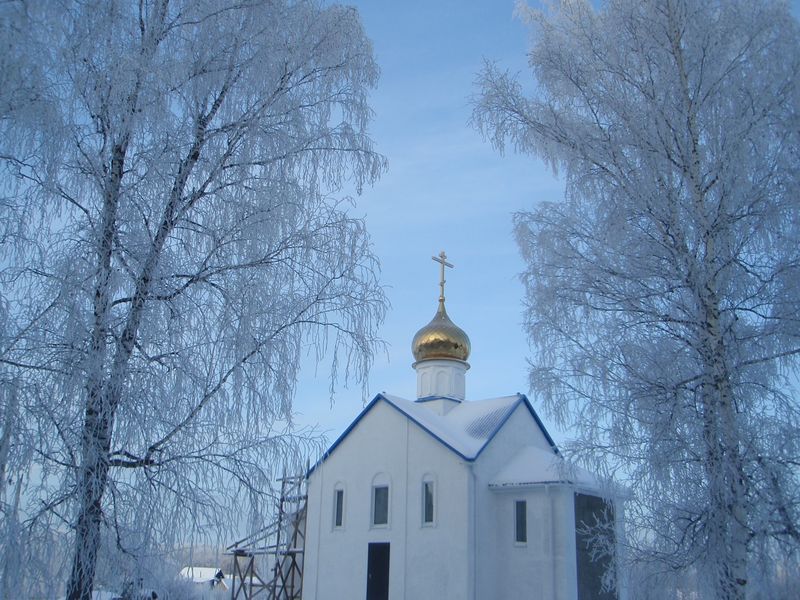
<point>520,522</point>
<point>338,505</point>
<point>428,500</point>
<point>380,501</point>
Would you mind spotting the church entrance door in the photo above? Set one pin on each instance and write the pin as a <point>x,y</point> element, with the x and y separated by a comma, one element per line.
<point>378,572</point>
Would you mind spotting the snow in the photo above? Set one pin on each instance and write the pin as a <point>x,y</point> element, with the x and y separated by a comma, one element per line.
<point>534,466</point>
<point>468,427</point>
<point>104,595</point>
<point>200,574</point>
<point>100,595</point>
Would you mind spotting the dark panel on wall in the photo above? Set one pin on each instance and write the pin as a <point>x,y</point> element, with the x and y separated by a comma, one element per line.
<point>592,512</point>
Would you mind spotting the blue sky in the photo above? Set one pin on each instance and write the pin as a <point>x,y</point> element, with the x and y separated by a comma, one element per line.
<point>446,189</point>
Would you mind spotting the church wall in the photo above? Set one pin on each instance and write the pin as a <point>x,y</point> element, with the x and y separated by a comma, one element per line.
<point>438,565</point>
<point>544,566</point>
<point>387,445</point>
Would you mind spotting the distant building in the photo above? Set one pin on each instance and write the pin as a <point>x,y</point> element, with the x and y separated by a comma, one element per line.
<point>209,582</point>
<point>445,498</point>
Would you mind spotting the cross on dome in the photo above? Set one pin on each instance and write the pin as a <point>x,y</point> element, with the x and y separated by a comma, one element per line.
<point>441,338</point>
<point>442,260</point>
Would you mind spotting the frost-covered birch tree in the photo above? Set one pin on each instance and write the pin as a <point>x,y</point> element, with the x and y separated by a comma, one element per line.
<point>663,290</point>
<point>174,242</point>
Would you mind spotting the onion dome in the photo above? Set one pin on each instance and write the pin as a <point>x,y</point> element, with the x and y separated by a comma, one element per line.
<point>441,338</point>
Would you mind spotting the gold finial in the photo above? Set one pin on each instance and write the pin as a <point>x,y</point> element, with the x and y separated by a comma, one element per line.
<point>442,260</point>
<point>441,338</point>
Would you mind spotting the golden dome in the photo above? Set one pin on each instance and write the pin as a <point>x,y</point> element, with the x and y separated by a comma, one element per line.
<point>441,338</point>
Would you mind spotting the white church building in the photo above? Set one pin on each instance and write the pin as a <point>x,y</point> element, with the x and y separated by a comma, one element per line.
<point>442,497</point>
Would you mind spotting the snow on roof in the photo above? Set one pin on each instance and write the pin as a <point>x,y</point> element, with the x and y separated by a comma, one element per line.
<point>534,466</point>
<point>466,429</point>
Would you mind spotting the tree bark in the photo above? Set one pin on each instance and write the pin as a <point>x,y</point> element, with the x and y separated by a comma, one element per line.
<point>92,483</point>
<point>104,387</point>
<point>99,414</point>
<point>727,535</point>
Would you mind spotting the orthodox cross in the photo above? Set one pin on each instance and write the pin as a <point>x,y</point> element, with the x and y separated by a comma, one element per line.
<point>441,259</point>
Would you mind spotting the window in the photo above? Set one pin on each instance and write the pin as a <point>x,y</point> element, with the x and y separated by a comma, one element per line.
<point>521,522</point>
<point>427,502</point>
<point>380,505</point>
<point>338,508</point>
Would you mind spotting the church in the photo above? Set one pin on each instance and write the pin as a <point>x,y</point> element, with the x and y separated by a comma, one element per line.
<point>441,497</point>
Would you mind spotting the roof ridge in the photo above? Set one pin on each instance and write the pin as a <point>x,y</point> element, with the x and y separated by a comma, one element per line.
<point>453,429</point>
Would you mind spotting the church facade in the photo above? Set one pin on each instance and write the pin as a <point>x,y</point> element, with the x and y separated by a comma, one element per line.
<point>446,498</point>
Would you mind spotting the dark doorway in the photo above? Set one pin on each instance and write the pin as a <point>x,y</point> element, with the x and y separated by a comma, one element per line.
<point>378,572</point>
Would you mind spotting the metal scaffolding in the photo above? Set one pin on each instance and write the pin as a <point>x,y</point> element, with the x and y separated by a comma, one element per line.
<point>281,543</point>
